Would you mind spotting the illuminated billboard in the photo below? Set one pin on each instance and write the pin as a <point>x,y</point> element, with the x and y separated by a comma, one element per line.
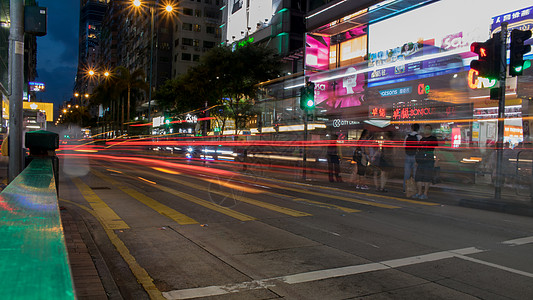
<point>36,86</point>
<point>47,108</point>
<point>437,38</point>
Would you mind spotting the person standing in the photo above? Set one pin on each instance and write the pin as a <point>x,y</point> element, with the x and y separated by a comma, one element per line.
<point>380,158</point>
<point>333,160</point>
<point>425,159</point>
<point>410,144</point>
<point>360,156</point>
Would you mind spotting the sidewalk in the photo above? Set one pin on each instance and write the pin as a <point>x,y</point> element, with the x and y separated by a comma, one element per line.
<point>87,282</point>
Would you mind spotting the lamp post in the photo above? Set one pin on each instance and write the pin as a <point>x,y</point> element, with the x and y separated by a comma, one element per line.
<point>168,8</point>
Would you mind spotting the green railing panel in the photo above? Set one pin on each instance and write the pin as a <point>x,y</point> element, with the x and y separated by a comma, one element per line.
<point>33,255</point>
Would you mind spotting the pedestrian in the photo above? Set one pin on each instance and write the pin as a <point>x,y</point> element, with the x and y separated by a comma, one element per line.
<point>425,159</point>
<point>360,156</point>
<point>333,160</point>
<point>381,161</point>
<point>410,144</point>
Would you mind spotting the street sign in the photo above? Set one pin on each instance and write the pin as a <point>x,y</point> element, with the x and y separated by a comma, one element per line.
<point>41,117</point>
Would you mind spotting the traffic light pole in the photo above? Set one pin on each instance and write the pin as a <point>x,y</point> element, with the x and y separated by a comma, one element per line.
<point>498,184</point>
<point>16,59</point>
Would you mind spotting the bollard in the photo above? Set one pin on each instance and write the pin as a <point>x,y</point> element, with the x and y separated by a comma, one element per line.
<point>43,144</point>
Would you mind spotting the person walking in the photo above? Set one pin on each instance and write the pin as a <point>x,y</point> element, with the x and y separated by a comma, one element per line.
<point>360,156</point>
<point>410,144</point>
<point>425,159</point>
<point>333,160</point>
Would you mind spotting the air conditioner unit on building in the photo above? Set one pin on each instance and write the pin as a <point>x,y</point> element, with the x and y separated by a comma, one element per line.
<point>183,47</point>
<point>196,49</point>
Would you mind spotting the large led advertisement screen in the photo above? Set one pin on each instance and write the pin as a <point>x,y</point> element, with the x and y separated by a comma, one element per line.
<point>432,40</point>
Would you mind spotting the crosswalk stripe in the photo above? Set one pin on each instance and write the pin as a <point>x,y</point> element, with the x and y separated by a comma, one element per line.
<point>109,218</point>
<point>153,204</point>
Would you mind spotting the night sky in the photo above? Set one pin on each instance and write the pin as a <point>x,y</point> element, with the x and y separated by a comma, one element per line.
<point>57,52</point>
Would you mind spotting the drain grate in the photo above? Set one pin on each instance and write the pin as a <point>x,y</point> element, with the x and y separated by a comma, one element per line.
<point>100,188</point>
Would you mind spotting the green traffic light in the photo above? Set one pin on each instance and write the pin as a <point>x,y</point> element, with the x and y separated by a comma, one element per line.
<point>310,103</point>
<point>527,64</point>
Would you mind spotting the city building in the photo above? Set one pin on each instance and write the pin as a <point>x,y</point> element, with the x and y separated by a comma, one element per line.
<point>89,47</point>
<point>196,30</point>
<point>383,65</point>
<point>274,23</point>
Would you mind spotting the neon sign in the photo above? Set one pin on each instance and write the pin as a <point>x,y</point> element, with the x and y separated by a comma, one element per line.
<point>477,82</point>
<point>423,89</point>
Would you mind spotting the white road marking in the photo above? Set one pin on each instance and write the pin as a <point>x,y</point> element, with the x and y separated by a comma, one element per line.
<point>520,241</point>
<point>316,275</point>
<point>345,271</point>
<point>495,266</point>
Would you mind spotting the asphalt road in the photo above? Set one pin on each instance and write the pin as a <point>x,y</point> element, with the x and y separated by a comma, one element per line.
<point>191,231</point>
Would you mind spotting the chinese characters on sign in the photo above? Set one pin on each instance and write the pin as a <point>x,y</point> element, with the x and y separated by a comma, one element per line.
<point>377,112</point>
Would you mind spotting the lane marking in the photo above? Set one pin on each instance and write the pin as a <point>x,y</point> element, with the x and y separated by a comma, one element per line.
<point>266,205</point>
<point>210,205</point>
<point>520,241</point>
<point>139,272</point>
<point>357,193</point>
<point>164,210</point>
<point>109,218</point>
<point>326,205</point>
<point>315,275</point>
<point>504,268</point>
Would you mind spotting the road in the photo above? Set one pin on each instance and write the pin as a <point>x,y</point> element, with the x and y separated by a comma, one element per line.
<point>178,230</point>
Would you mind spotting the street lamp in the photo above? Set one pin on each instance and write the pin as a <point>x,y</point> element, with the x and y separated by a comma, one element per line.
<point>168,8</point>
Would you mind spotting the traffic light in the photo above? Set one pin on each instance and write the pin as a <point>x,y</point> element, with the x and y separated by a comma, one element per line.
<point>307,96</point>
<point>518,49</point>
<point>489,63</point>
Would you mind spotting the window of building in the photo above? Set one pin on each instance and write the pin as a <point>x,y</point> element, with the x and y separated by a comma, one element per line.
<point>186,41</point>
<point>165,46</point>
<point>175,58</point>
<point>210,29</point>
<point>196,43</point>
<point>188,11</point>
<point>186,56</point>
<point>197,27</point>
<point>176,42</point>
<point>187,26</point>
<point>209,45</point>
<point>177,27</point>
<point>208,1</point>
<point>196,57</point>
<point>198,13</point>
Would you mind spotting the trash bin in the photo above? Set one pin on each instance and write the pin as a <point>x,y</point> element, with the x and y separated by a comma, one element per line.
<point>43,144</point>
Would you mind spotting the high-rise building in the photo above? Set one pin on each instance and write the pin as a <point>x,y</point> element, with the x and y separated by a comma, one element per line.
<point>197,31</point>
<point>89,53</point>
<point>275,23</point>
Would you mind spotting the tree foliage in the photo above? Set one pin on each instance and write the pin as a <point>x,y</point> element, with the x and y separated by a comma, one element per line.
<point>225,79</point>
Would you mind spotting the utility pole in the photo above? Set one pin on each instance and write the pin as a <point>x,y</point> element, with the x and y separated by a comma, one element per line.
<point>16,85</point>
<point>501,111</point>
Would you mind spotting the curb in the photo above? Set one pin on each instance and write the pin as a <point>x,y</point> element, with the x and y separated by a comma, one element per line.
<point>498,206</point>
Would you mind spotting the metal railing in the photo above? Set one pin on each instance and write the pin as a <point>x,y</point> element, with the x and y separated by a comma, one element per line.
<point>34,262</point>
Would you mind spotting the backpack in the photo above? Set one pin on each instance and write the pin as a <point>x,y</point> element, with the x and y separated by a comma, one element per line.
<point>410,144</point>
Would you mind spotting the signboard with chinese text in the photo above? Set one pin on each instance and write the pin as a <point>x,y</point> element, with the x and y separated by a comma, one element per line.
<point>377,112</point>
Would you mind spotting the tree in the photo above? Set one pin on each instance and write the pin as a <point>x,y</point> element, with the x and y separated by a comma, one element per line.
<point>126,81</point>
<point>226,80</point>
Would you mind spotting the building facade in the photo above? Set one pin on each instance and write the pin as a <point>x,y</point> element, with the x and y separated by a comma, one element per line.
<point>89,47</point>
